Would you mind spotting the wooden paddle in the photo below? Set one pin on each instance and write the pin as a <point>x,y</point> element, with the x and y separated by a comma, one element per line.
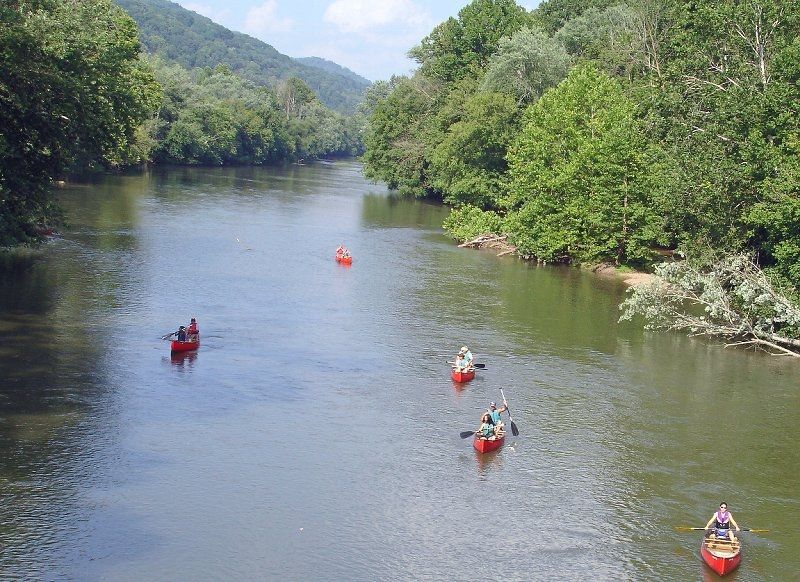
<point>514,429</point>
<point>686,528</point>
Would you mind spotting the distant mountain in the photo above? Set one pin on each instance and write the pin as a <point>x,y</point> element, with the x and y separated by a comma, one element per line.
<point>332,67</point>
<point>182,36</point>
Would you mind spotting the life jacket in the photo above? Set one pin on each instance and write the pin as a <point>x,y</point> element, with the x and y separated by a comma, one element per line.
<point>722,521</point>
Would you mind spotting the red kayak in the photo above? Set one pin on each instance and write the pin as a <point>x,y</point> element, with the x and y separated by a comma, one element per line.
<point>176,346</point>
<point>462,376</point>
<point>345,260</point>
<point>721,555</point>
<point>483,445</point>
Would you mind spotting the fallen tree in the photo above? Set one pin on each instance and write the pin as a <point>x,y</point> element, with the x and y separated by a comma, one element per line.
<point>731,298</point>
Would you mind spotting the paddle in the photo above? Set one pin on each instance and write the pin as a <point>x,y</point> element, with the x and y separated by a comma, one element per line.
<point>514,429</point>
<point>686,528</point>
<point>168,335</point>
<point>467,434</point>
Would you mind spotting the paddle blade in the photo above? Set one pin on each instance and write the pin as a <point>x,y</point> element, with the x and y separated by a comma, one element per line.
<point>479,365</point>
<point>514,429</point>
<point>687,528</point>
<point>467,434</point>
<point>754,530</point>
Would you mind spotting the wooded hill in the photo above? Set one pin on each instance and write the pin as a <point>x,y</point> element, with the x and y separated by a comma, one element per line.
<point>194,41</point>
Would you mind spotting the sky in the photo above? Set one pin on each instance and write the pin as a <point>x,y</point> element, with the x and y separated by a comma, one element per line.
<point>369,37</point>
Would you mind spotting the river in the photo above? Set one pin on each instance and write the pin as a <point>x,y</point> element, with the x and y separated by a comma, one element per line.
<point>315,433</point>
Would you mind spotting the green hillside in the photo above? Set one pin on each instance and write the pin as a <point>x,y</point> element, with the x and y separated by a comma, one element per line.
<point>332,67</point>
<point>191,40</point>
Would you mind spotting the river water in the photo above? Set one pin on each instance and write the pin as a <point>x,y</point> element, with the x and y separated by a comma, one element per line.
<point>315,434</point>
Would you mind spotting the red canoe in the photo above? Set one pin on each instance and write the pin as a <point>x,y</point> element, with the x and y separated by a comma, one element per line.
<point>462,376</point>
<point>348,260</point>
<point>177,346</point>
<point>486,445</point>
<point>721,555</point>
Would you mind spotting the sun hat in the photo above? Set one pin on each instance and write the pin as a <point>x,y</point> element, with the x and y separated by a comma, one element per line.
<point>492,405</point>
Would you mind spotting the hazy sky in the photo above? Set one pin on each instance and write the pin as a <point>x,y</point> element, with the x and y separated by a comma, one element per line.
<point>369,37</point>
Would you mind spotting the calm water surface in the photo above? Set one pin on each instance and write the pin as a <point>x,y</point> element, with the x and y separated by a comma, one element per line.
<point>314,436</point>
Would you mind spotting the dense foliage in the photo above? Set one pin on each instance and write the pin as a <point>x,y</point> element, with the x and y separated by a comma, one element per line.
<point>194,41</point>
<point>677,126</point>
<point>73,94</point>
<point>214,117</point>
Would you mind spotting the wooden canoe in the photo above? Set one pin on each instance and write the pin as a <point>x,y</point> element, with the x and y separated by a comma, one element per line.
<point>348,260</point>
<point>176,346</point>
<point>483,445</point>
<point>462,376</point>
<point>721,555</point>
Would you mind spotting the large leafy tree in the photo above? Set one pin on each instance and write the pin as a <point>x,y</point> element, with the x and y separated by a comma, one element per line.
<point>468,165</point>
<point>526,64</point>
<point>581,177</point>
<point>73,93</point>
<point>461,47</point>
<point>395,137</point>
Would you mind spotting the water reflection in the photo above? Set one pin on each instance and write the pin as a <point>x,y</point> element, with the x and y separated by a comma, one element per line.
<point>183,359</point>
<point>488,461</point>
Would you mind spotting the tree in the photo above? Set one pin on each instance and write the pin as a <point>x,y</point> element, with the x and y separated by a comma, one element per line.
<point>461,47</point>
<point>295,97</point>
<point>551,15</point>
<point>73,94</point>
<point>468,164</point>
<point>525,65</point>
<point>581,178</point>
<point>726,102</point>
<point>730,298</point>
<point>395,142</point>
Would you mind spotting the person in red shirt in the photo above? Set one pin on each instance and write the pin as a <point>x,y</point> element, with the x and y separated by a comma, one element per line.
<point>192,330</point>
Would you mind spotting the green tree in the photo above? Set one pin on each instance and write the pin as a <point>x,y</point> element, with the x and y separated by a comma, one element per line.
<point>551,15</point>
<point>580,173</point>
<point>395,144</point>
<point>525,65</point>
<point>726,103</point>
<point>461,47</point>
<point>468,165</point>
<point>73,94</point>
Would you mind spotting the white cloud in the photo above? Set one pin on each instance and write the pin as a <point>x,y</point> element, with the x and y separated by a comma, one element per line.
<point>363,16</point>
<point>264,18</point>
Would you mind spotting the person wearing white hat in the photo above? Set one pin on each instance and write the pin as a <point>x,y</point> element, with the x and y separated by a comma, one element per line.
<point>464,360</point>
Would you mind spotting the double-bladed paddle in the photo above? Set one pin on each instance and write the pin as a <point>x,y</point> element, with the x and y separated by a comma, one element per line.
<point>514,429</point>
<point>686,528</point>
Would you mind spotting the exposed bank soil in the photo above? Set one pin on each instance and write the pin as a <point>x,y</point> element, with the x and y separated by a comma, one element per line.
<point>630,278</point>
<point>500,243</point>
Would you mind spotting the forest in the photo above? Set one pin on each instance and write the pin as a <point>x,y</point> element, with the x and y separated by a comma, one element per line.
<point>78,94</point>
<point>605,130</point>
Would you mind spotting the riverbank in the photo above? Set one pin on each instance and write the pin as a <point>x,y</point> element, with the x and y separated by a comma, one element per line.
<point>500,243</point>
